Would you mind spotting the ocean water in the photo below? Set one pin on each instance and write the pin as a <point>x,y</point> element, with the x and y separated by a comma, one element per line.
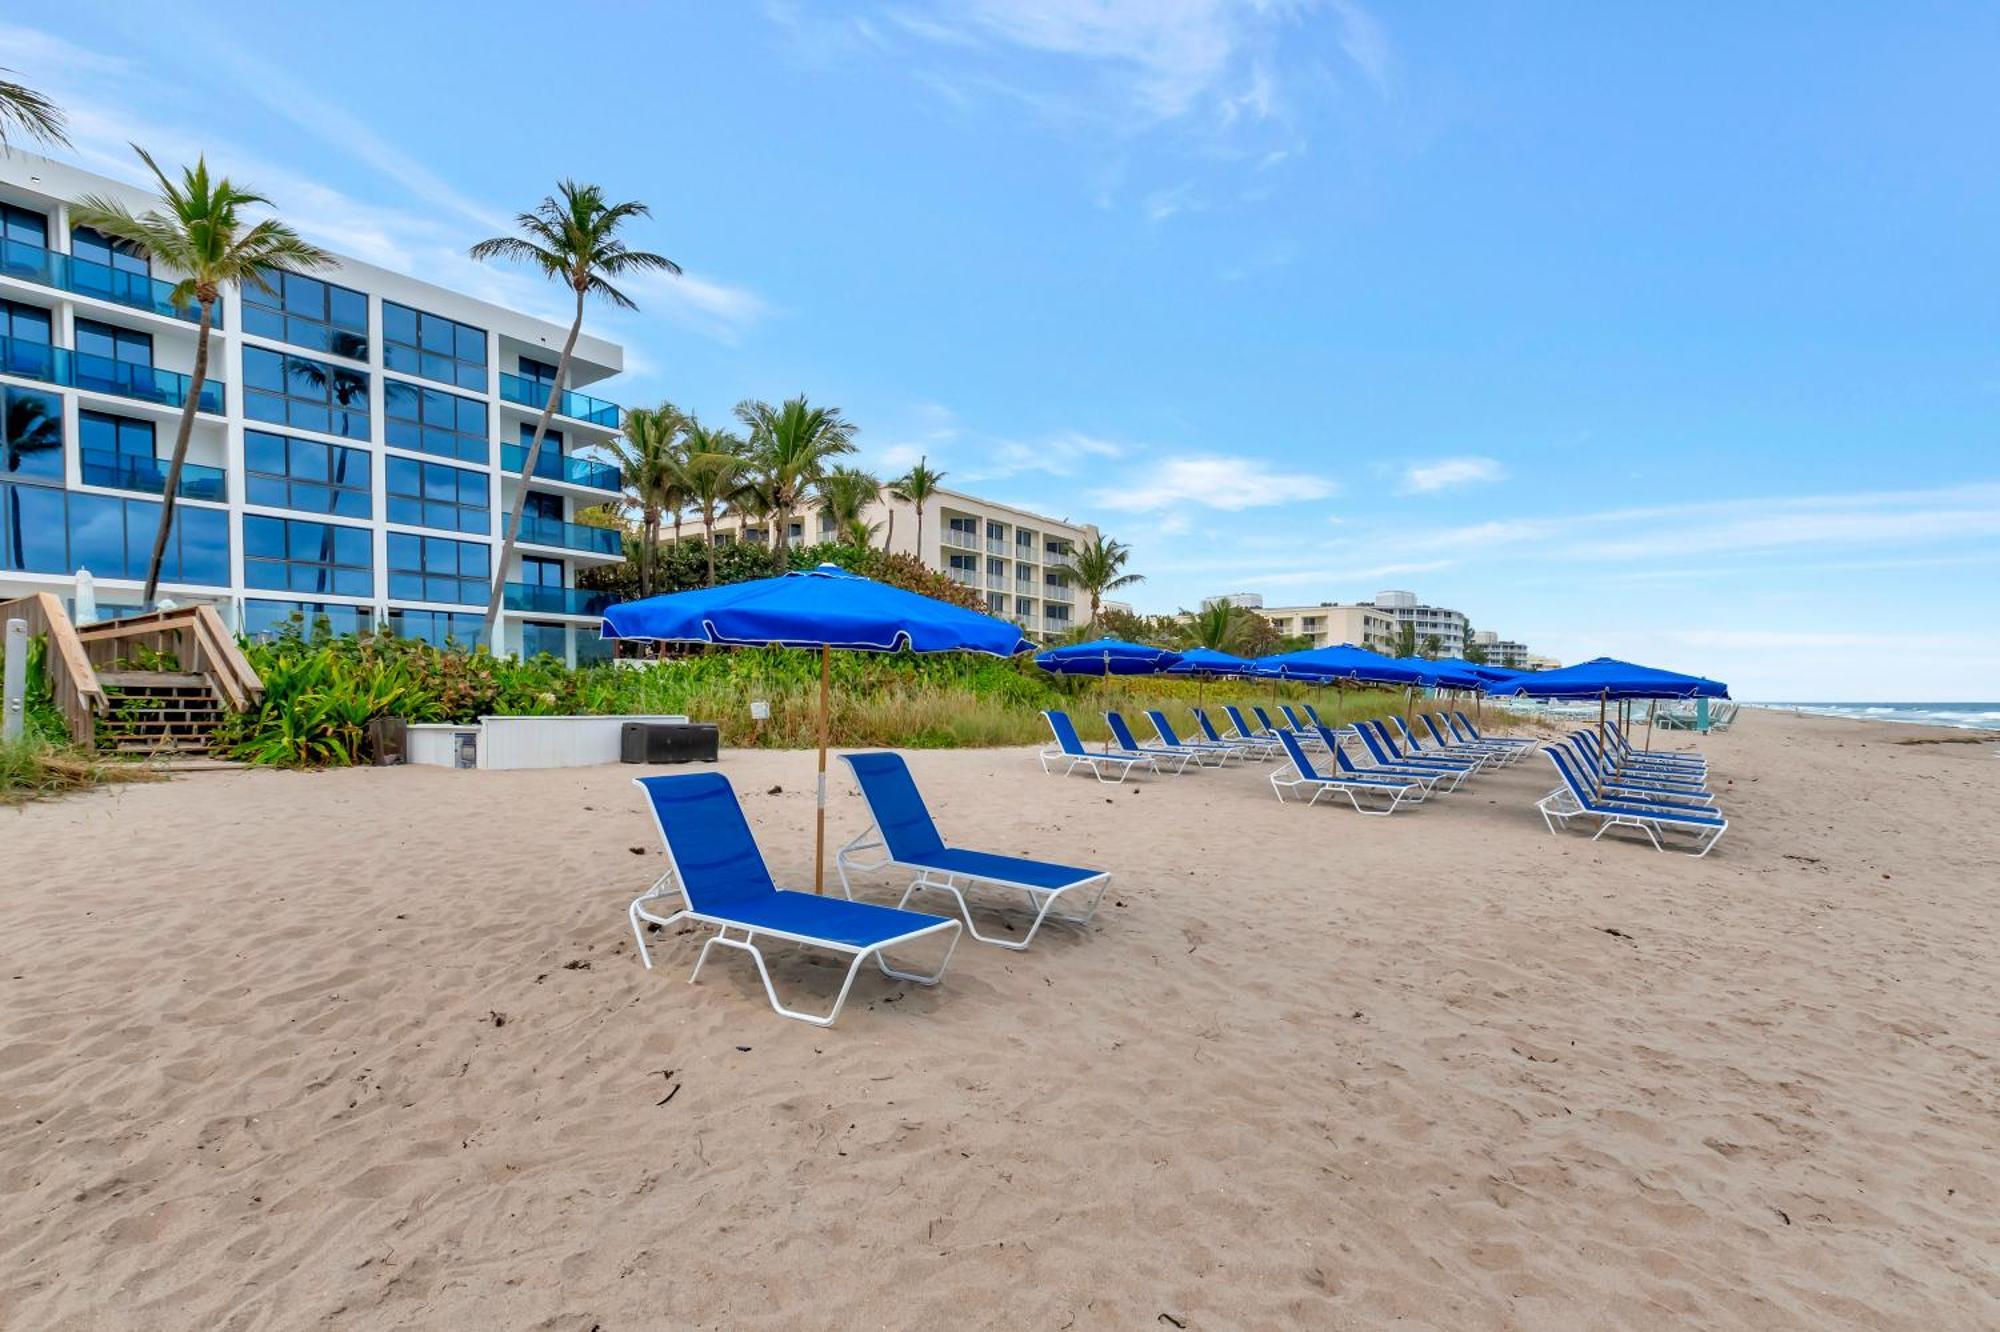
<point>1967,716</point>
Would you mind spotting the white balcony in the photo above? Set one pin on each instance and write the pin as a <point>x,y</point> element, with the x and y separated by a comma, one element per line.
<point>962,540</point>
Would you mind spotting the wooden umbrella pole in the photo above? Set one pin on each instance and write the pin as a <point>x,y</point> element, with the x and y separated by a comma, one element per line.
<point>1652,707</point>
<point>819,825</point>
<point>1603,699</point>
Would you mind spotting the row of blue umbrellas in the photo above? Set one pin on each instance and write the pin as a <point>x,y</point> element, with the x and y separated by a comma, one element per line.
<point>827,607</point>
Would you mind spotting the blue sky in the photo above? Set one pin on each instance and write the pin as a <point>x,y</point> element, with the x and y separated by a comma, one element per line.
<point>1663,333</point>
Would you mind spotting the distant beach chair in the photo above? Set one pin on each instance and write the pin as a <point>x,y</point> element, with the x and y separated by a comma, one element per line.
<point>1071,753</point>
<point>1222,753</point>
<point>1573,799</point>
<point>1245,731</point>
<point>1178,758</point>
<point>1398,790</point>
<point>1462,727</point>
<point>903,830</point>
<point>714,863</point>
<point>1309,738</point>
<point>1498,755</point>
<point>1421,748</point>
<point>1636,772</point>
<point>1622,750</point>
<point>1431,778</point>
<point>1381,746</point>
<point>1263,749</point>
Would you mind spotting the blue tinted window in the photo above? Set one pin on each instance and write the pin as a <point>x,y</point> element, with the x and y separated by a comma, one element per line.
<point>286,473</point>
<point>543,639</point>
<point>24,227</point>
<point>307,312</point>
<point>113,343</point>
<point>31,448</point>
<point>25,323</point>
<point>288,555</point>
<point>425,568</point>
<point>44,530</point>
<point>94,248</point>
<point>438,628</point>
<point>268,619</point>
<point>427,494</point>
<point>430,420</point>
<point>591,646</point>
<point>416,343</point>
<point>304,394</point>
<point>538,572</point>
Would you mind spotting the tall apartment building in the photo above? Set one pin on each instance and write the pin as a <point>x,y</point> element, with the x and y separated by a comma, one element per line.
<point>1324,625</point>
<point>1018,560</point>
<point>360,440</point>
<point>1503,652</point>
<point>1448,627</point>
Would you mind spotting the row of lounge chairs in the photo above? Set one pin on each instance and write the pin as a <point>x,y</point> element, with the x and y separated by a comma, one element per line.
<point>716,869</point>
<point>1663,795</point>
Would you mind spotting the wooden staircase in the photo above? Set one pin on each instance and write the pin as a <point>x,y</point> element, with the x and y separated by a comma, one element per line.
<point>131,713</point>
<point>157,714</point>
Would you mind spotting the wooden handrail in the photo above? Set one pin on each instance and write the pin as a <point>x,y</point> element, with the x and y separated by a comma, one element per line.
<point>72,679</point>
<point>197,639</point>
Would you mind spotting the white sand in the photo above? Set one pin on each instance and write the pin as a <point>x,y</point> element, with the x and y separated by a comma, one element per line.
<point>1306,1069</point>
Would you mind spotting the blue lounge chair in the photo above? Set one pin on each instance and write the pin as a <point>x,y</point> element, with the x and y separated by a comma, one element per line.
<point>1664,775</point>
<point>1222,753</point>
<point>714,863</point>
<point>1498,755</point>
<point>1308,738</point>
<point>1612,785</point>
<point>902,829</point>
<point>1574,799</point>
<point>1431,778</point>
<point>1381,747</point>
<point>1398,790</point>
<point>1418,747</point>
<point>1071,753</point>
<point>1462,727</point>
<point>1262,749</point>
<point>1245,731</point>
<point>1623,750</point>
<point>1168,760</point>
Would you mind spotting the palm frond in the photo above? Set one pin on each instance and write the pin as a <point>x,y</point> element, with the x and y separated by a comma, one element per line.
<point>31,113</point>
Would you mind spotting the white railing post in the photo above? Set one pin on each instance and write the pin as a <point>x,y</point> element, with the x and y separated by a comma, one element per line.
<point>15,694</point>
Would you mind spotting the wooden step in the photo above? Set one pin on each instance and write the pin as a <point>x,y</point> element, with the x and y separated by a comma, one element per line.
<point>151,680</point>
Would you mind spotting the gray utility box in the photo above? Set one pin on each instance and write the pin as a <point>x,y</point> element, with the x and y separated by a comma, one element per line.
<point>669,742</point>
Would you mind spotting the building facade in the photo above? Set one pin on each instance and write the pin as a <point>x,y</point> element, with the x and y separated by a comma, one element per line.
<point>1327,624</point>
<point>358,445</point>
<point>1018,560</point>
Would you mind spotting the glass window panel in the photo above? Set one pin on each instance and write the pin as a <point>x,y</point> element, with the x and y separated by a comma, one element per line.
<point>399,324</point>
<point>348,309</point>
<point>263,538</point>
<point>97,536</point>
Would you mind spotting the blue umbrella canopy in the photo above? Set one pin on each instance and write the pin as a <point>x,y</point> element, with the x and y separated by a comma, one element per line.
<point>1488,676</point>
<point>823,608</point>
<point>1107,656</point>
<point>1607,677</point>
<point>1207,661</point>
<point>1344,662</point>
<point>826,607</point>
<point>1437,674</point>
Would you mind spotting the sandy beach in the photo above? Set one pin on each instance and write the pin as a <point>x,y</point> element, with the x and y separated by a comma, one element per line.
<point>371,1048</point>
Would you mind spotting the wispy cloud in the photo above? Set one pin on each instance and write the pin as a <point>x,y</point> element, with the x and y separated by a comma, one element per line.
<point>1230,484</point>
<point>1449,473</point>
<point>114,102</point>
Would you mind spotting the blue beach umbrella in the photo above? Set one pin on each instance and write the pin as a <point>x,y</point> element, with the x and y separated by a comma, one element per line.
<point>823,608</point>
<point>1343,662</point>
<point>1607,678</point>
<point>1107,656</point>
<point>1206,664</point>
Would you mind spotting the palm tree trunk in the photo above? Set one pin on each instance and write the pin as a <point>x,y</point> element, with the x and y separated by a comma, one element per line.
<point>920,532</point>
<point>181,438</point>
<point>708,527</point>
<point>781,525</point>
<point>528,466</point>
<point>889,534</point>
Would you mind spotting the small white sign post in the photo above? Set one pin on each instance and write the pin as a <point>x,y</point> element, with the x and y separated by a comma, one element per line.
<point>15,720</point>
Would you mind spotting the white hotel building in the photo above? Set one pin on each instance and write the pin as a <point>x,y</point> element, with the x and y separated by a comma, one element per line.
<point>358,448</point>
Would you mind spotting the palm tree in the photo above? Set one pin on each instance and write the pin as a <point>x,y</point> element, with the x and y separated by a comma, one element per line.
<point>791,445</point>
<point>1403,642</point>
<point>653,468</point>
<point>572,236</point>
<point>1099,568</point>
<point>844,496</point>
<point>860,533</point>
<point>30,112</point>
<point>1432,646</point>
<point>1220,627</point>
<point>200,232</point>
<point>716,472</point>
<point>915,487</point>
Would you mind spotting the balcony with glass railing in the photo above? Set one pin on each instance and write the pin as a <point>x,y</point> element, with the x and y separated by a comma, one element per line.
<point>524,392</point>
<point>87,277</point>
<point>965,576</point>
<point>554,466</point>
<point>997,582</point>
<point>132,471</point>
<point>1059,559</point>
<point>541,531</point>
<point>1058,592</point>
<point>536,599</point>
<point>961,540</point>
<point>101,374</point>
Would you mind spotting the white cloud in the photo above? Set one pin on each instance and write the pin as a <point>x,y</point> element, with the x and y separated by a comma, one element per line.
<point>1230,484</point>
<point>1446,473</point>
